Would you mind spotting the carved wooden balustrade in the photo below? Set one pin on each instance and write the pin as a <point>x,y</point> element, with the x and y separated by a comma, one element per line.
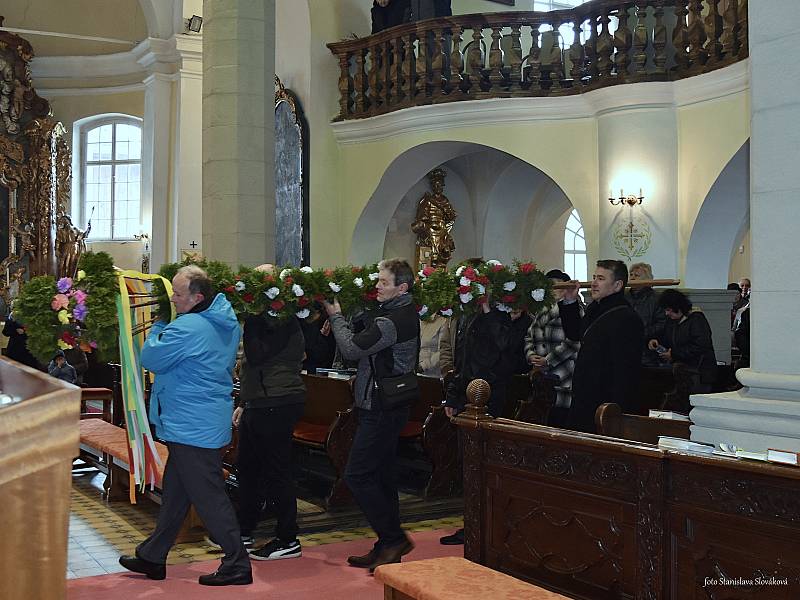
<point>526,54</point>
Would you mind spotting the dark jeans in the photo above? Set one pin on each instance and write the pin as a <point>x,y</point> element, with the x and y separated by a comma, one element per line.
<point>264,467</point>
<point>371,471</point>
<point>193,476</point>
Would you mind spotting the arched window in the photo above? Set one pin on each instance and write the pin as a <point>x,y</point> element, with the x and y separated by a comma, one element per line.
<point>575,248</point>
<point>109,178</point>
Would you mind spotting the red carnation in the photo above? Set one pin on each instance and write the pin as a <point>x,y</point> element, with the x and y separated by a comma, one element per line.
<point>469,273</point>
<point>69,338</point>
<point>276,305</point>
<point>428,271</point>
<point>464,289</point>
<point>248,297</point>
<point>483,279</point>
<point>497,268</point>
<point>371,295</point>
<point>356,269</point>
<point>328,273</point>
<point>268,278</point>
<point>303,301</point>
<point>508,299</point>
<point>319,297</point>
<point>230,289</point>
<point>237,277</point>
<point>527,267</point>
<point>289,280</point>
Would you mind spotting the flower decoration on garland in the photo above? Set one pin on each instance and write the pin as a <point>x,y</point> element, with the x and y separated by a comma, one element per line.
<point>435,293</point>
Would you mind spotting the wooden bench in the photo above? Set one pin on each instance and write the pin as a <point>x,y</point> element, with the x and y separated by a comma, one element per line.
<point>454,578</point>
<point>611,421</point>
<point>97,394</point>
<point>328,425</point>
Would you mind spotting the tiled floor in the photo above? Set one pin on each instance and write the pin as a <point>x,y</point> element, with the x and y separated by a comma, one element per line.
<point>100,532</point>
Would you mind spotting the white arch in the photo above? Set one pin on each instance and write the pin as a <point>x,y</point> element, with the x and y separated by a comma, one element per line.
<point>499,212</point>
<point>723,217</point>
<point>160,16</point>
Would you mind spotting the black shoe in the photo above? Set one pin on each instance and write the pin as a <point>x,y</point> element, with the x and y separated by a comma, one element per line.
<point>392,554</point>
<point>365,560</point>
<point>145,567</point>
<point>217,578</point>
<point>454,539</point>
<point>277,549</point>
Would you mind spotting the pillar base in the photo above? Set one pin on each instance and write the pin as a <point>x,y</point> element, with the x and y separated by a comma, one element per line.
<point>764,414</point>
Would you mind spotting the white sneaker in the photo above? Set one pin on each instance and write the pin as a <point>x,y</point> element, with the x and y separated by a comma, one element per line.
<point>277,549</point>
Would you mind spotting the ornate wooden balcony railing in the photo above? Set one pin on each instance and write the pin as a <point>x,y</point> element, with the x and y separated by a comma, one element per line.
<point>528,54</point>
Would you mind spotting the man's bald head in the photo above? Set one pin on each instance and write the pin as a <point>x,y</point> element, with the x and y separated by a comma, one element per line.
<point>266,268</point>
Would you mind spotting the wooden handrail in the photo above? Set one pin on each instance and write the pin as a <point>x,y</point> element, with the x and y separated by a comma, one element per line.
<point>480,56</point>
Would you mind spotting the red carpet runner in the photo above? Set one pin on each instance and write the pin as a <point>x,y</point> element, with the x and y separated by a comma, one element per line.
<point>322,572</point>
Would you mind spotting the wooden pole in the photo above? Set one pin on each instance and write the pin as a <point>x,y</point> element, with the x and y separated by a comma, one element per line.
<point>631,283</point>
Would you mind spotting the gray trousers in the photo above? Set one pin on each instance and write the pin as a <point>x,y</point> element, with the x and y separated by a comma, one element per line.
<point>193,476</point>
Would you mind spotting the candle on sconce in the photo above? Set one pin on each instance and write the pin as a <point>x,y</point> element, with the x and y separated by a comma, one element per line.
<point>620,193</point>
<point>640,193</point>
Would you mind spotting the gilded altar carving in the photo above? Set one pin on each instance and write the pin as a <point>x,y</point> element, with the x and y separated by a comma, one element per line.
<point>433,223</point>
<point>35,174</point>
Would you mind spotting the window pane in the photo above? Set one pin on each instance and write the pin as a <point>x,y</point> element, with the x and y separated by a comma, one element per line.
<point>101,228</point>
<point>581,271</point>
<point>105,173</point>
<point>569,240</point>
<point>105,151</point>
<point>121,174</point>
<point>93,136</point>
<point>92,152</point>
<point>120,192</point>
<point>580,243</point>
<point>105,133</point>
<point>133,191</point>
<point>572,223</point>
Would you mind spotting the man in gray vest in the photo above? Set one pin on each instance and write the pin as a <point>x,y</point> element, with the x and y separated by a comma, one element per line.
<point>387,348</point>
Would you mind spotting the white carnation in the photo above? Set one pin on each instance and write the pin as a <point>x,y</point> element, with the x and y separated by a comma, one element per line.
<point>464,281</point>
<point>422,274</point>
<point>297,290</point>
<point>272,293</point>
<point>306,269</point>
<point>538,294</point>
<point>493,263</point>
<point>335,287</point>
<point>284,273</point>
<point>272,313</point>
<point>359,282</point>
<point>465,298</point>
<point>239,286</point>
<point>374,276</point>
<point>303,314</point>
<point>447,312</point>
<point>504,308</point>
<point>481,289</point>
<point>509,285</point>
<point>423,310</point>
<point>460,270</point>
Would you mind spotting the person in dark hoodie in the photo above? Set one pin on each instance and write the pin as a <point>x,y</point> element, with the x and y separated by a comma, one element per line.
<point>61,369</point>
<point>611,336</point>
<point>271,401</point>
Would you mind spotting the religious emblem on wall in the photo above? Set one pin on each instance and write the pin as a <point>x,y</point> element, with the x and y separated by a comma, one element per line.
<point>632,237</point>
<point>433,224</point>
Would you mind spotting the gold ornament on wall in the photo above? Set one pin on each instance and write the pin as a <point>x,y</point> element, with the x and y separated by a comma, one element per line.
<point>433,224</point>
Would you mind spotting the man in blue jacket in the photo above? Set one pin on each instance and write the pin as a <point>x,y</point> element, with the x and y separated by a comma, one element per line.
<point>191,408</point>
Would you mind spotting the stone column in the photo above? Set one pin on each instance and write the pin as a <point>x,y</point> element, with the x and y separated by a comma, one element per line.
<point>156,133</point>
<point>238,143</point>
<point>186,219</point>
<point>766,412</point>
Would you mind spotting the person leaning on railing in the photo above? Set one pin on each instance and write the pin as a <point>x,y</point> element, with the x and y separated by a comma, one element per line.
<point>388,13</point>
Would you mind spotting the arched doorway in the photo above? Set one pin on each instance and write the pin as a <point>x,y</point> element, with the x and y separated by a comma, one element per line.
<point>720,224</point>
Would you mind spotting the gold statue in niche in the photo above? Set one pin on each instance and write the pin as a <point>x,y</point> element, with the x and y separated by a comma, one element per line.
<point>433,223</point>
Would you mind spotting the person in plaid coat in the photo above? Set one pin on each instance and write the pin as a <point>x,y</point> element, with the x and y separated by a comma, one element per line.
<point>548,349</point>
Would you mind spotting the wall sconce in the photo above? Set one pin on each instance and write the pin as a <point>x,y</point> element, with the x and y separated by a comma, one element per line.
<point>631,200</point>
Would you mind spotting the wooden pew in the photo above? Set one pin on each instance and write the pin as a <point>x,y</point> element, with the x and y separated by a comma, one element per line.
<point>439,440</point>
<point>611,421</point>
<point>328,424</point>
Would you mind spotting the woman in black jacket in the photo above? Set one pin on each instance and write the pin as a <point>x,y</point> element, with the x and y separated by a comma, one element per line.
<point>686,339</point>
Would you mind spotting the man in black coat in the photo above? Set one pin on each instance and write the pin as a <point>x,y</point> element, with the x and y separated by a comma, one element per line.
<point>611,337</point>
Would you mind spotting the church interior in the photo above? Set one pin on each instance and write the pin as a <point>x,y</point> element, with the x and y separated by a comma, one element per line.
<point>551,133</point>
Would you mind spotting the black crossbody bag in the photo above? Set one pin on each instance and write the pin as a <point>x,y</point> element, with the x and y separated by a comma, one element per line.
<point>396,391</point>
